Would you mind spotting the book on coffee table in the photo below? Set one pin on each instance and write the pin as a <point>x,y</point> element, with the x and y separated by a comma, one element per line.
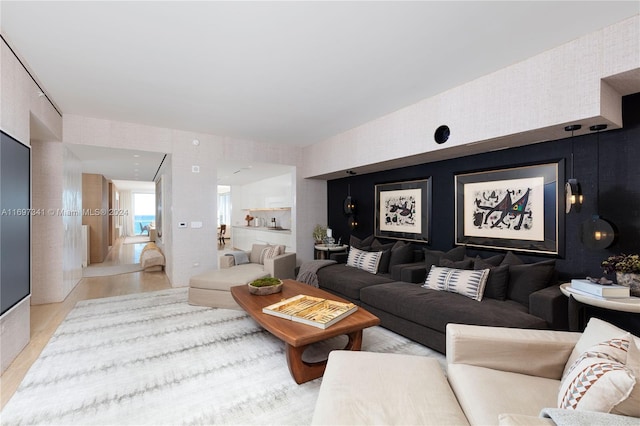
<point>310,310</point>
<point>600,290</point>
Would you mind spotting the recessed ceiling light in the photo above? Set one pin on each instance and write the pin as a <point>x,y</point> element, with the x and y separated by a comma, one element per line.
<point>136,155</point>
<point>136,164</point>
<point>196,142</point>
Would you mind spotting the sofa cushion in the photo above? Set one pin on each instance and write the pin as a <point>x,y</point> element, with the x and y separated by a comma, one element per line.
<point>597,331</point>
<point>223,279</point>
<point>511,260</point>
<point>348,281</point>
<point>401,253</point>
<point>460,264</point>
<point>367,388</point>
<point>527,278</point>
<point>598,380</point>
<point>270,252</point>
<point>493,260</point>
<point>256,253</point>
<point>383,265</point>
<point>364,244</point>
<point>392,254</point>
<point>432,257</point>
<point>485,393</point>
<point>467,283</point>
<point>435,309</point>
<point>631,405</point>
<point>365,260</point>
<point>496,287</point>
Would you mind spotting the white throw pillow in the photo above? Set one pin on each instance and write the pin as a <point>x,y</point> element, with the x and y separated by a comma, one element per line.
<point>631,405</point>
<point>595,332</point>
<point>598,379</point>
<point>269,252</point>
<point>462,281</point>
<point>365,260</point>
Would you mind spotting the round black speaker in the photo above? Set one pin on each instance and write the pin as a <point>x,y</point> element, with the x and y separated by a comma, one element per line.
<point>442,134</point>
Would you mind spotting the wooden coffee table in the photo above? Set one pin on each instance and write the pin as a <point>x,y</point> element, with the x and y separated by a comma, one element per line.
<point>297,337</point>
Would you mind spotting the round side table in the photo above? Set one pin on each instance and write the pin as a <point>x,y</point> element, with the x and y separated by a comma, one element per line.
<point>577,320</point>
<point>323,251</point>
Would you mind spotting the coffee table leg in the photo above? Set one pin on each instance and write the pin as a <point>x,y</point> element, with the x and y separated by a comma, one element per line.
<point>303,371</point>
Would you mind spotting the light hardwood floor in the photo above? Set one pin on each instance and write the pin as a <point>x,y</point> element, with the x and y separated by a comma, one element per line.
<point>45,319</point>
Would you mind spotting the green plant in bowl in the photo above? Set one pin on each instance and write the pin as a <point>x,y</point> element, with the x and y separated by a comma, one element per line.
<point>264,286</point>
<point>265,282</point>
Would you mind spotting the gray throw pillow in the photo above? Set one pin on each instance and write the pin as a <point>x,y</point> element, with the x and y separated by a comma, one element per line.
<point>401,253</point>
<point>528,278</point>
<point>460,264</point>
<point>383,266</point>
<point>364,244</point>
<point>498,281</point>
<point>511,259</point>
<point>432,257</point>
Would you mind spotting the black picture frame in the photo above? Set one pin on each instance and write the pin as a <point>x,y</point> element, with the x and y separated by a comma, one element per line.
<point>403,210</point>
<point>518,208</point>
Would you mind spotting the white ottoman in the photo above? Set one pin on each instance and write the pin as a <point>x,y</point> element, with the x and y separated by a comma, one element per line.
<point>212,288</point>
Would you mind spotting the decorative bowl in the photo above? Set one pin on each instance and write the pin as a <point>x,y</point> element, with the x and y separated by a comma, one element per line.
<point>264,286</point>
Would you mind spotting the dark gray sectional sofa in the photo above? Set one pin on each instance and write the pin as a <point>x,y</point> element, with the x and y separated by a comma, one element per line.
<point>517,295</point>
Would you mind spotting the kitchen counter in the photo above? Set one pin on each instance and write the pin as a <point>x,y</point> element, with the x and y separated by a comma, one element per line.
<point>264,228</point>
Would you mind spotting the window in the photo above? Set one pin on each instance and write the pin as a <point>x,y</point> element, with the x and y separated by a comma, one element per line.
<point>144,212</point>
<point>224,205</point>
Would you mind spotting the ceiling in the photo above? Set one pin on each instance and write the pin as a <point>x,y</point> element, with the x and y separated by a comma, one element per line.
<point>118,164</point>
<point>136,170</point>
<point>278,72</point>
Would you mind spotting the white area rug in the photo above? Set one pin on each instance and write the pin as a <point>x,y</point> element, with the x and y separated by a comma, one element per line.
<point>137,239</point>
<point>151,358</point>
<point>103,271</point>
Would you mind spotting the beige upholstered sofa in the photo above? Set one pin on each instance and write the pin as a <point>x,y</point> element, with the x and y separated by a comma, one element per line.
<point>212,288</point>
<point>494,376</point>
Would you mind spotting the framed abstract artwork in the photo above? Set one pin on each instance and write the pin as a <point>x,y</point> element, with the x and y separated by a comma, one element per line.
<point>403,210</point>
<point>516,209</point>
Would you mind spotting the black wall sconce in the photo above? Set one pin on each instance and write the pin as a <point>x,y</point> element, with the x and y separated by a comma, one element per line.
<point>572,189</point>
<point>598,233</point>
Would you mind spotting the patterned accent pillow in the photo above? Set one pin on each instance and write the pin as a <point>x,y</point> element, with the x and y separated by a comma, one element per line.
<point>269,252</point>
<point>365,260</point>
<point>631,406</point>
<point>465,282</point>
<point>598,380</point>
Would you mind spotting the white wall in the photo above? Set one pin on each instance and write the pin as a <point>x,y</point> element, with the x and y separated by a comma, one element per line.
<point>191,196</point>
<point>47,159</point>
<point>72,246</point>
<point>164,236</point>
<point>530,101</point>
<point>19,106</point>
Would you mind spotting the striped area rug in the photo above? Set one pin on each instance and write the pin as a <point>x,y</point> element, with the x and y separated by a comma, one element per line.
<point>151,358</point>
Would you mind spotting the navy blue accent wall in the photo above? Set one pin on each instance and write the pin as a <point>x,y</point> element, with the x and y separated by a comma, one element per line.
<point>619,187</point>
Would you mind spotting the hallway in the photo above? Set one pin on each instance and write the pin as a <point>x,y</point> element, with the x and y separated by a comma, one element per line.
<point>46,318</point>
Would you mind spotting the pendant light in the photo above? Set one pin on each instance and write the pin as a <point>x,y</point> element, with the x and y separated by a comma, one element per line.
<point>598,233</point>
<point>572,190</point>
<point>349,206</point>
